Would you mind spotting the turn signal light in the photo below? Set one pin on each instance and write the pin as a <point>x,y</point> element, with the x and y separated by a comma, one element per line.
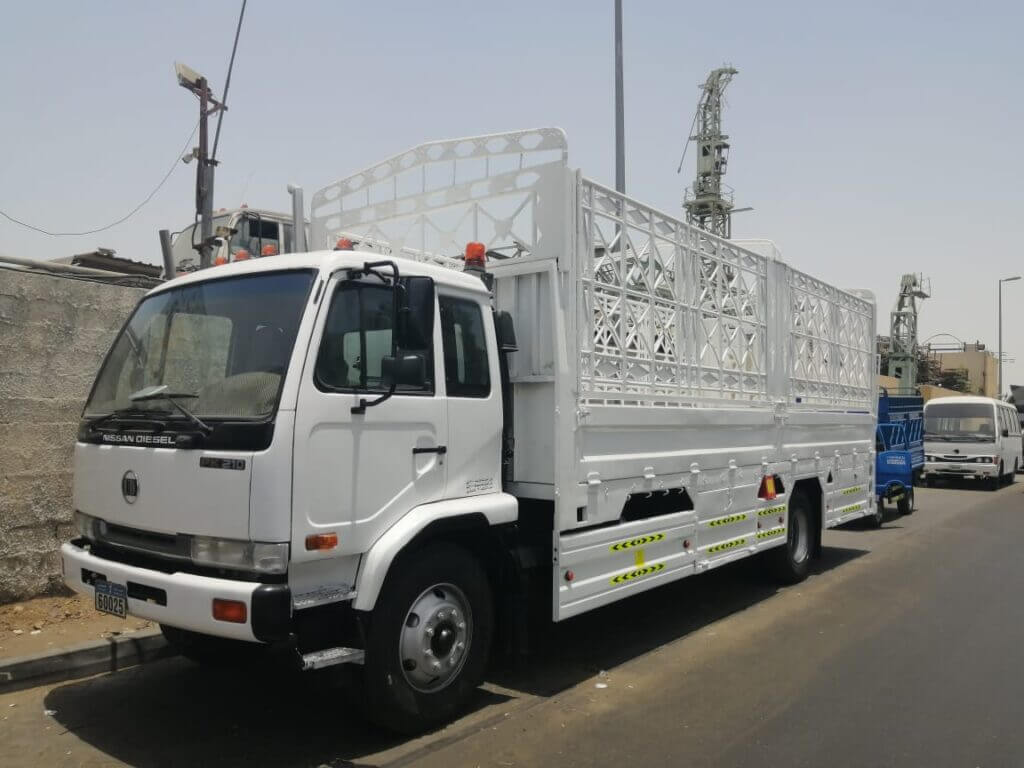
<point>321,541</point>
<point>767,489</point>
<point>229,610</point>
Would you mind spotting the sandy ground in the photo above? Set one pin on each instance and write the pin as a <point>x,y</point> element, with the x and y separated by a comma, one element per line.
<point>49,623</point>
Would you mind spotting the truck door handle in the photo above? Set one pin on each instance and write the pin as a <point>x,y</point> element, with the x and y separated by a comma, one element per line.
<point>440,450</point>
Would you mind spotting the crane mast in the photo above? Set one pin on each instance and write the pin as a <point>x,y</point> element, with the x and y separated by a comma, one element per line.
<point>903,330</point>
<point>709,202</point>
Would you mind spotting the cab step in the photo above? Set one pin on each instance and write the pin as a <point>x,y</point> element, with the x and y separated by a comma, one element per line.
<point>328,657</point>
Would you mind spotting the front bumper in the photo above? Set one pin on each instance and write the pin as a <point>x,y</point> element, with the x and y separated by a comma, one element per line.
<point>975,470</point>
<point>185,600</point>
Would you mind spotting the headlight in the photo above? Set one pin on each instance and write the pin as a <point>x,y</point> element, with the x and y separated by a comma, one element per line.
<point>240,555</point>
<point>84,524</point>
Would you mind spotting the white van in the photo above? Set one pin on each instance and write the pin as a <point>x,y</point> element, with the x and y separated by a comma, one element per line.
<point>977,438</point>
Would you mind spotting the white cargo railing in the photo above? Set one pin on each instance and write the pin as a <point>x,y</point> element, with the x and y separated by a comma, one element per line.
<point>436,197</point>
<point>667,315</point>
<point>831,351</point>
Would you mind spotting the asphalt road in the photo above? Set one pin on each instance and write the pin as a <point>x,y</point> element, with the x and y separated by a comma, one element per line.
<point>904,648</point>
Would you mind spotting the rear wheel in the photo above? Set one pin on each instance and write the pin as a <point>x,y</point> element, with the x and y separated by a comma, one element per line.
<point>878,518</point>
<point>429,638</point>
<point>994,481</point>
<point>791,562</point>
<point>906,503</point>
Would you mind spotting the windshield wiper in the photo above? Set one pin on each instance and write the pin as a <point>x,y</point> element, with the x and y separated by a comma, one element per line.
<point>122,412</point>
<point>159,392</point>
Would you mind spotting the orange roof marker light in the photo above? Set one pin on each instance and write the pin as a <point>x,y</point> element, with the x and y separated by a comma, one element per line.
<point>476,256</point>
<point>343,244</point>
<point>219,261</point>
<point>269,250</point>
<point>241,254</point>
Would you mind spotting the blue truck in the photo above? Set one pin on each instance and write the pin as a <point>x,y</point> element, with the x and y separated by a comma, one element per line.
<point>899,449</point>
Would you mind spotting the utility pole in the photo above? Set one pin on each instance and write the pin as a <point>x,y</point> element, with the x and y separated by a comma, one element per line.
<point>192,81</point>
<point>999,392</point>
<point>620,120</point>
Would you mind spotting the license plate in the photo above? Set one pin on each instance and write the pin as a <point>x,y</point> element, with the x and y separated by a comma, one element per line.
<point>111,598</point>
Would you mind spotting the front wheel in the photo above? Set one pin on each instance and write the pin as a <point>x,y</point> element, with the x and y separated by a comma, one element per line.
<point>791,562</point>
<point>429,638</point>
<point>905,505</point>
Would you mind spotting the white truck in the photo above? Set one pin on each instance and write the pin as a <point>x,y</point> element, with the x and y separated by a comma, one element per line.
<point>245,233</point>
<point>378,456</point>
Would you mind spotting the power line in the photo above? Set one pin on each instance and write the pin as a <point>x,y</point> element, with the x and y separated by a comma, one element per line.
<point>227,84</point>
<point>132,212</point>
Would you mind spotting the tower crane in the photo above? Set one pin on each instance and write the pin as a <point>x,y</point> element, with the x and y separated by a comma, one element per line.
<point>903,330</point>
<point>709,202</point>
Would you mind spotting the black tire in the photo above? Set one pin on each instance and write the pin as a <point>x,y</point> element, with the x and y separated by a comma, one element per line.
<point>447,575</point>
<point>211,651</point>
<point>790,563</point>
<point>1012,477</point>
<point>878,518</point>
<point>906,503</point>
<point>995,481</point>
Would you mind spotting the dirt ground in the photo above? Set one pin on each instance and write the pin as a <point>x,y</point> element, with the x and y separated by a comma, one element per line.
<point>50,623</point>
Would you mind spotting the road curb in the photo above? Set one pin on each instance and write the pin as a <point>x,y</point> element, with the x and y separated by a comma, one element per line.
<point>92,658</point>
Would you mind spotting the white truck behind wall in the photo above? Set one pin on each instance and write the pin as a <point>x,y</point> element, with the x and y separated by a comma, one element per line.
<point>378,456</point>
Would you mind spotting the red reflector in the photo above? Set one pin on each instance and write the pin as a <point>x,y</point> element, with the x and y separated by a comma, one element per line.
<point>476,255</point>
<point>317,541</point>
<point>569,575</point>
<point>767,489</point>
<point>229,610</point>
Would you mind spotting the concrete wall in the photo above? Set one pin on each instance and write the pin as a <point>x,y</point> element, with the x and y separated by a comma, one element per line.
<point>982,368</point>
<point>54,333</point>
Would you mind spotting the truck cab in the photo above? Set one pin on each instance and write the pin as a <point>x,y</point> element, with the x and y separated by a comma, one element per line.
<point>242,233</point>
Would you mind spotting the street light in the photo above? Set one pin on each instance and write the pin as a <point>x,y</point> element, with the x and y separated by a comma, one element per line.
<point>999,394</point>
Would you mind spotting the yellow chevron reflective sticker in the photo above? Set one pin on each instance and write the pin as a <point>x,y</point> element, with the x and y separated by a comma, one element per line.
<point>772,511</point>
<point>639,573</point>
<point>851,508</point>
<point>728,520</point>
<point>772,532</point>
<point>639,541</point>
<point>851,491</point>
<point>727,545</point>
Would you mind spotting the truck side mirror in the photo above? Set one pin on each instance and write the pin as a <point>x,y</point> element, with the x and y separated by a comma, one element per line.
<point>415,329</point>
<point>408,369</point>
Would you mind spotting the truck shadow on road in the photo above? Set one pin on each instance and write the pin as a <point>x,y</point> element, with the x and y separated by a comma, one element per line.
<point>173,712</point>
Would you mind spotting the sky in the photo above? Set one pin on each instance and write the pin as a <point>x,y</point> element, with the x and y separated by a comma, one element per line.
<point>870,138</point>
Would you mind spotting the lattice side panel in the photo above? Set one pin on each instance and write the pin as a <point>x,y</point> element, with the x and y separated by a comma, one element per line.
<point>666,314</point>
<point>830,344</point>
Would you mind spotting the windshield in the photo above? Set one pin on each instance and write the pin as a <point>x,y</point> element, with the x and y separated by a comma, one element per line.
<point>962,422</point>
<point>223,344</point>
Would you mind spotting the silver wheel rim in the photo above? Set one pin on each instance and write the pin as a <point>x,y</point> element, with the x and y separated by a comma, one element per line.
<point>799,542</point>
<point>435,638</point>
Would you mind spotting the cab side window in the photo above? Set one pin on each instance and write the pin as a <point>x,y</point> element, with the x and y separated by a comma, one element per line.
<point>357,337</point>
<point>466,367</point>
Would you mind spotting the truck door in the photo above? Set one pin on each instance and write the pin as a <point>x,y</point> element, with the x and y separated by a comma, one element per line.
<point>357,473</point>
<point>473,389</point>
